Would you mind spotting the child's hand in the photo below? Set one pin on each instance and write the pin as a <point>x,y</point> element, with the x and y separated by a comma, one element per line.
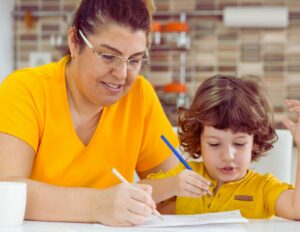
<point>191,184</point>
<point>294,106</point>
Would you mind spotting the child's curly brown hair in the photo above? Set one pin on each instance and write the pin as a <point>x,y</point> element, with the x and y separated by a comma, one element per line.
<point>227,102</point>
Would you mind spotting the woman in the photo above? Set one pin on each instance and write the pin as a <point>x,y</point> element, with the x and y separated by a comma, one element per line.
<point>65,125</point>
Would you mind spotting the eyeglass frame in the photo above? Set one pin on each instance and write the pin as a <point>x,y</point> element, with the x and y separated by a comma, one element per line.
<point>120,58</point>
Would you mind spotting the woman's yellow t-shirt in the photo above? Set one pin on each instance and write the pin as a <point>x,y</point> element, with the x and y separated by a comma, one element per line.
<point>255,195</point>
<point>34,108</point>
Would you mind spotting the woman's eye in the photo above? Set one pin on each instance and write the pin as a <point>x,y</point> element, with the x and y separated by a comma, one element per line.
<point>134,61</point>
<point>108,57</point>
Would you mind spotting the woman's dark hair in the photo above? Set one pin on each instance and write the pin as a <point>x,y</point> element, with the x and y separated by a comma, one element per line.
<point>227,102</point>
<point>91,15</point>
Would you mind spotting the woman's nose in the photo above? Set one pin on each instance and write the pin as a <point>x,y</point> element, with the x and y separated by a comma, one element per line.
<point>120,71</point>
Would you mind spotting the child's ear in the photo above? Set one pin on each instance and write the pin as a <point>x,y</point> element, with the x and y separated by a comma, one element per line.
<point>255,147</point>
<point>197,153</point>
<point>255,151</point>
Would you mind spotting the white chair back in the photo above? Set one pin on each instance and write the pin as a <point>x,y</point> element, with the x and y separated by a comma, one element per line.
<point>279,159</point>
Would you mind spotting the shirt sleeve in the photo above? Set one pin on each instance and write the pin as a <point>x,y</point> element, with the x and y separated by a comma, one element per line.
<point>156,123</point>
<point>19,116</point>
<point>272,190</point>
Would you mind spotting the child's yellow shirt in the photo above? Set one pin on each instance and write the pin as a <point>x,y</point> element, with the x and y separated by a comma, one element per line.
<point>255,195</point>
<point>34,108</point>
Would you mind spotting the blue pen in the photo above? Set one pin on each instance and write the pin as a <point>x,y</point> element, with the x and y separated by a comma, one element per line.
<point>187,166</point>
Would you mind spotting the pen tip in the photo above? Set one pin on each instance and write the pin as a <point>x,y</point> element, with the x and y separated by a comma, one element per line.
<point>208,192</point>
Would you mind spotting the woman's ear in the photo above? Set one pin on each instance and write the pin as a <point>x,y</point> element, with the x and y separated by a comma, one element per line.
<point>73,42</point>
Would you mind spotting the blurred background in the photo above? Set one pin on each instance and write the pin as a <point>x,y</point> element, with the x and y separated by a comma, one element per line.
<point>191,40</point>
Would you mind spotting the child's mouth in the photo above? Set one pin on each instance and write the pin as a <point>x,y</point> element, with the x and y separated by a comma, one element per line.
<point>227,170</point>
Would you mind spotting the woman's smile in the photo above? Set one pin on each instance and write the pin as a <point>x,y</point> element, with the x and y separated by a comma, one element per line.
<point>111,87</point>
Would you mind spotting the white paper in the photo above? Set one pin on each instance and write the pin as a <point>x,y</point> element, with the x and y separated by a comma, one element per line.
<point>171,221</point>
<point>196,219</point>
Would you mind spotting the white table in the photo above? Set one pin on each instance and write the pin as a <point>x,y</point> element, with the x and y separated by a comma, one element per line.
<point>273,225</point>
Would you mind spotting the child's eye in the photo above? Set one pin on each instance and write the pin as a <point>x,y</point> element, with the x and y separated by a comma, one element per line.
<point>240,144</point>
<point>213,144</point>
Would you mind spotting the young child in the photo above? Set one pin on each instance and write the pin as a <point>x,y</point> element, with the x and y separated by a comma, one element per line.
<point>228,125</point>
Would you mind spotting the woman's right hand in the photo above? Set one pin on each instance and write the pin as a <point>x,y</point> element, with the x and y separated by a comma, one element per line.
<point>124,205</point>
<point>190,184</point>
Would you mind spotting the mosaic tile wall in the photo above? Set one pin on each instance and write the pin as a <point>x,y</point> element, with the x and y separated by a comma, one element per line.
<point>271,54</point>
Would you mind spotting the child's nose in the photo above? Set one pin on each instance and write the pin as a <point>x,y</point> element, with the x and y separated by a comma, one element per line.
<point>228,153</point>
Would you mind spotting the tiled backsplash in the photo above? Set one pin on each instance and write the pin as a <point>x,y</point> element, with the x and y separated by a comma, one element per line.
<point>271,54</point>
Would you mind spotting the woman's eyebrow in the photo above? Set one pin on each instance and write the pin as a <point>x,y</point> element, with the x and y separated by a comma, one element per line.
<point>119,52</point>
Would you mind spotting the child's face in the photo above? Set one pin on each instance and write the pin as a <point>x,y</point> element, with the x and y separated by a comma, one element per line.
<point>226,155</point>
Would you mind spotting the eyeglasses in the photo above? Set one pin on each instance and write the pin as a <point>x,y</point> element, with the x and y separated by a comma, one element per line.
<point>113,60</point>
